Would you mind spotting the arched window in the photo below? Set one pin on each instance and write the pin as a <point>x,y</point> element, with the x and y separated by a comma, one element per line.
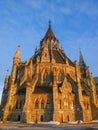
<point>60,76</point>
<point>37,104</point>
<point>46,77</point>
<point>42,104</point>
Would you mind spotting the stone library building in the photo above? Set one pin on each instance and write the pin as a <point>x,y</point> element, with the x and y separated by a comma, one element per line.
<point>49,86</point>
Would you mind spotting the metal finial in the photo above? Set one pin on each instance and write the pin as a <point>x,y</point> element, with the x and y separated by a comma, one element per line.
<point>18,46</point>
<point>49,23</point>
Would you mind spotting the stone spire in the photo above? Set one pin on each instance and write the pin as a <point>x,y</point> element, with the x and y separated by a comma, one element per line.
<point>50,39</point>
<point>49,34</point>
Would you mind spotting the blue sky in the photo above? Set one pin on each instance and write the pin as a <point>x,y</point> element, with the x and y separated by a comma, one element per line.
<point>25,22</point>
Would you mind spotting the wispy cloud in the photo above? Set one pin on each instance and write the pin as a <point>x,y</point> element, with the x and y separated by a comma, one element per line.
<point>66,10</point>
<point>88,7</point>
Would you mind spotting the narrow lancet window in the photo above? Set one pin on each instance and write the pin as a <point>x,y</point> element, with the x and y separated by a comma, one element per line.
<point>42,104</point>
<point>46,77</point>
<point>37,104</point>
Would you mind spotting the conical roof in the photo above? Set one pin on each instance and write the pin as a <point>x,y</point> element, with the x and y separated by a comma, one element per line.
<point>49,34</point>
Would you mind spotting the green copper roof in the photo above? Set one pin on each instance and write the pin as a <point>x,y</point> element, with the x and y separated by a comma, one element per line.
<point>81,59</point>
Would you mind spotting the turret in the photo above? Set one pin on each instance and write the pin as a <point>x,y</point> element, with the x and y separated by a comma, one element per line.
<point>17,57</point>
<point>16,61</point>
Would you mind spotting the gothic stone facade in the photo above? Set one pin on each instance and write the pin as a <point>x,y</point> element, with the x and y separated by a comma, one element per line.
<point>49,87</point>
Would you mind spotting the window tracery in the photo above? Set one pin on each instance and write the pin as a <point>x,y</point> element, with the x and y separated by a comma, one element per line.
<point>60,76</point>
<point>45,77</point>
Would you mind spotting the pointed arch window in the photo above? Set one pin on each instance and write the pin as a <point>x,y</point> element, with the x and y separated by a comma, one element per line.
<point>46,77</point>
<point>60,76</point>
<point>37,104</point>
<point>42,104</point>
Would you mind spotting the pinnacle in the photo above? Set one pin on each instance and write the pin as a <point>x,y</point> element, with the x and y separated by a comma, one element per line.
<point>17,54</point>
